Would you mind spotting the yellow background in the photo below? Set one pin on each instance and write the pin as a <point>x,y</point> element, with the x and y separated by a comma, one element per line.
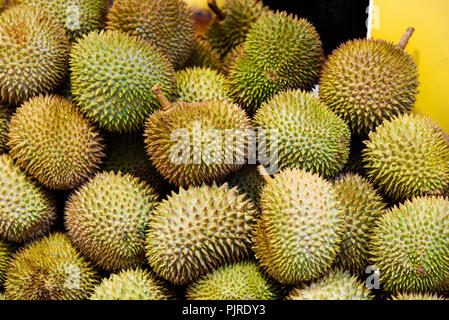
<point>429,47</point>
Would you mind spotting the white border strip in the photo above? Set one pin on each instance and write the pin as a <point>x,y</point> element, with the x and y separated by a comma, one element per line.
<point>369,23</point>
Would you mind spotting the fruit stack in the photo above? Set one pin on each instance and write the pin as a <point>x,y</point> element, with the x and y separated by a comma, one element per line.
<point>115,180</point>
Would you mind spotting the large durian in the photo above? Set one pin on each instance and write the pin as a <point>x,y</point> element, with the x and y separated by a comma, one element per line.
<point>107,219</point>
<point>54,142</point>
<point>112,76</point>
<point>34,53</point>
<point>198,229</point>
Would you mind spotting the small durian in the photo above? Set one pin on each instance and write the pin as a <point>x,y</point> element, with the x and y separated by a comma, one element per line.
<point>5,256</point>
<point>132,284</point>
<point>197,230</point>
<point>54,142</point>
<point>230,59</point>
<point>204,56</point>
<point>107,219</point>
<point>27,211</point>
<point>249,181</point>
<point>50,269</point>
<point>5,116</point>
<point>238,281</point>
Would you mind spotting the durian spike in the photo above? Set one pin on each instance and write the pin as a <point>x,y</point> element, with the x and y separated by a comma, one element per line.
<point>406,37</point>
<point>160,96</point>
<point>264,173</point>
<point>216,9</point>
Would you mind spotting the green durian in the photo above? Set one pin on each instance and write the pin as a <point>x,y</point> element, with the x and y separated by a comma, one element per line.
<point>230,59</point>
<point>204,56</point>
<point>249,181</point>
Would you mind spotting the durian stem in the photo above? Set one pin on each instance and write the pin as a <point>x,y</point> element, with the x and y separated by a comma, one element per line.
<point>264,173</point>
<point>405,38</point>
<point>214,7</point>
<point>160,96</point>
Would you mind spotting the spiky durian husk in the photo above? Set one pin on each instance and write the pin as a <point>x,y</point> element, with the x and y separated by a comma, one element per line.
<point>281,52</point>
<point>5,116</point>
<point>49,269</point>
<point>408,156</point>
<point>250,182</point>
<point>410,246</point>
<point>112,77</point>
<point>204,56</point>
<point>34,54</point>
<point>337,285</point>
<point>362,208</point>
<point>417,296</point>
<point>201,84</point>
<point>107,218</point>
<point>5,256</point>
<point>231,58</point>
<point>26,210</point>
<point>367,81</point>
<point>52,141</point>
<point>2,4</point>
<point>173,141</point>
<point>198,229</point>
<point>132,284</point>
<point>238,281</point>
<point>78,17</point>
<point>298,237</point>
<point>168,24</point>
<point>241,15</point>
<point>310,136</point>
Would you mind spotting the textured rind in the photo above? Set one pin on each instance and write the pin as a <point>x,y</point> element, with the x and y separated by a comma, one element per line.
<point>78,17</point>
<point>34,54</point>
<point>418,296</point>
<point>310,136</point>
<point>168,24</point>
<point>107,218</point>
<point>239,281</point>
<point>299,234</point>
<point>132,284</point>
<point>241,15</point>
<point>410,246</point>
<point>2,4</point>
<point>5,256</point>
<point>5,116</point>
<point>126,153</point>
<point>408,156</point>
<point>50,269</point>
<point>54,142</point>
<point>2,295</point>
<point>198,229</point>
<point>368,81</point>
<point>112,77</point>
<point>172,137</point>
<point>201,84</point>
<point>337,285</point>
<point>362,208</point>
<point>203,55</point>
<point>250,182</point>
<point>281,52</point>
<point>27,211</point>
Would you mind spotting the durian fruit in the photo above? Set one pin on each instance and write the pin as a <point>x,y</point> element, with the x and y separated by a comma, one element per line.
<point>112,76</point>
<point>418,296</point>
<point>126,153</point>
<point>78,17</point>
<point>280,52</point>
<point>54,142</point>
<point>298,237</point>
<point>309,135</point>
<point>27,211</point>
<point>168,24</point>
<point>107,218</point>
<point>2,5</point>
<point>34,54</point>
<point>232,23</point>
<point>5,256</point>
<point>248,181</point>
<point>408,156</point>
<point>50,269</point>
<point>362,208</point>
<point>231,58</point>
<point>5,116</point>
<point>367,81</point>
<point>198,229</point>
<point>201,84</point>
<point>337,285</point>
<point>203,55</point>
<point>410,246</point>
<point>132,284</point>
<point>238,281</point>
<point>192,143</point>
